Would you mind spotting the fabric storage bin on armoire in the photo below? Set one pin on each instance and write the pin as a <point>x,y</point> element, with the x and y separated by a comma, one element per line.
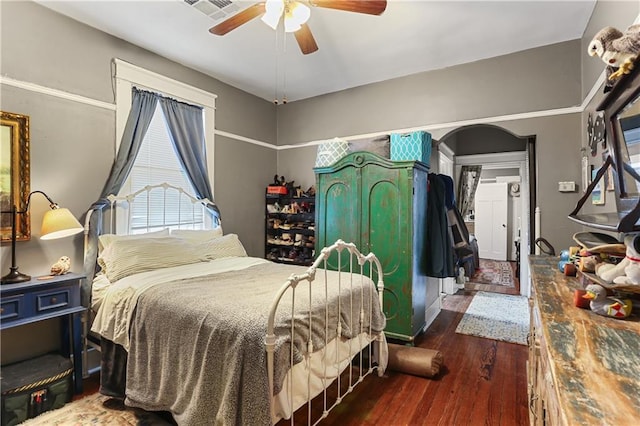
<point>34,386</point>
<point>330,151</point>
<point>411,146</point>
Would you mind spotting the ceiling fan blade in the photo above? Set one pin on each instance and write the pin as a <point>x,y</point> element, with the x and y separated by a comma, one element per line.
<point>305,40</point>
<point>236,20</point>
<point>371,7</point>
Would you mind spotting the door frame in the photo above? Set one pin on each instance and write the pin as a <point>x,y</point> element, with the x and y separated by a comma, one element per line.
<point>508,160</point>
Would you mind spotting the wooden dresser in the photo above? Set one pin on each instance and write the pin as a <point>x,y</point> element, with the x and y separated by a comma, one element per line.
<point>583,369</point>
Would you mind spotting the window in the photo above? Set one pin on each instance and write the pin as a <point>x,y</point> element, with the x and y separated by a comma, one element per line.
<point>157,163</point>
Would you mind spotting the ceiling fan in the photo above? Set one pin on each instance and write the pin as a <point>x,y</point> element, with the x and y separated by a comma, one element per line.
<point>295,15</point>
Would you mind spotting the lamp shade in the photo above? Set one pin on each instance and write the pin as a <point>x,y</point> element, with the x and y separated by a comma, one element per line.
<point>58,223</point>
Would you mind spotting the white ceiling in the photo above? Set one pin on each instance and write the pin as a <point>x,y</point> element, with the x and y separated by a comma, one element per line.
<point>354,49</point>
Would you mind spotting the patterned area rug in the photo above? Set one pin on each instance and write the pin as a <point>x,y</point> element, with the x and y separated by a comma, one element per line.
<point>97,409</point>
<point>495,272</point>
<point>497,316</point>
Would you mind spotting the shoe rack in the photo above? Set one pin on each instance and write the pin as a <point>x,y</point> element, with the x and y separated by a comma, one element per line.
<point>290,229</point>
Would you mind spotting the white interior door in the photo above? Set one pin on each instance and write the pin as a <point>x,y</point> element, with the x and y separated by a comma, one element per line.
<point>491,215</point>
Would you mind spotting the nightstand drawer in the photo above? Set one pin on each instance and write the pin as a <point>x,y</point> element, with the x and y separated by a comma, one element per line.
<point>52,300</point>
<point>40,299</point>
<point>12,307</point>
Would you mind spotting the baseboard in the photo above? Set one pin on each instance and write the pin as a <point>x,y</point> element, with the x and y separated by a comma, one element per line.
<point>449,285</point>
<point>432,312</point>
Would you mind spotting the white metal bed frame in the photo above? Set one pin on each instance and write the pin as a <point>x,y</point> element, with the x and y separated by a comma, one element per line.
<point>112,201</point>
<point>309,276</point>
<point>368,262</point>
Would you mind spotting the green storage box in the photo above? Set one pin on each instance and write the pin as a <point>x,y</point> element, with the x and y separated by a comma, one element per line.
<point>34,386</point>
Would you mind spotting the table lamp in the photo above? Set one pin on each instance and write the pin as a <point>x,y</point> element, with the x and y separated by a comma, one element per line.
<point>57,223</point>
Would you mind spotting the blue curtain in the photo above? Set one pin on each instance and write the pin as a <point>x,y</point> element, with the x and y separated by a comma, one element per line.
<point>143,106</point>
<point>186,128</point>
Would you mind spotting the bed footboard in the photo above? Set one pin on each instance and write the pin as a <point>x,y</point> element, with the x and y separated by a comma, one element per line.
<point>370,344</point>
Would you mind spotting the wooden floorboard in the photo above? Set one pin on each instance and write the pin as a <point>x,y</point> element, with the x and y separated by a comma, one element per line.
<point>482,382</point>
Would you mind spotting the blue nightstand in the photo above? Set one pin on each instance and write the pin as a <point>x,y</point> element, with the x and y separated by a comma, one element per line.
<point>37,300</point>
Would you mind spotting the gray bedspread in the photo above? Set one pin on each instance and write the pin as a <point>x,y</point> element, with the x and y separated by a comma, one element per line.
<point>197,346</point>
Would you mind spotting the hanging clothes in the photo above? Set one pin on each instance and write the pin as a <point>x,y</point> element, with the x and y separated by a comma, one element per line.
<point>459,231</point>
<point>439,261</point>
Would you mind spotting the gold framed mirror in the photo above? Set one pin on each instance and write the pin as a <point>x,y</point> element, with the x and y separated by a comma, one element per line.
<point>14,174</point>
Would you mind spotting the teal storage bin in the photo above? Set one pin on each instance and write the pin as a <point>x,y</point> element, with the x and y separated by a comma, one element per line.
<point>411,146</point>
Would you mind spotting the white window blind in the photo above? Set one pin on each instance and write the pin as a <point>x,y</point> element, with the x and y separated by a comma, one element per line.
<point>156,163</point>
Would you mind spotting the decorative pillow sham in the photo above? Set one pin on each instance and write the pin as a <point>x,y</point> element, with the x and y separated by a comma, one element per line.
<point>197,235</point>
<point>106,239</point>
<point>126,257</point>
<point>227,246</point>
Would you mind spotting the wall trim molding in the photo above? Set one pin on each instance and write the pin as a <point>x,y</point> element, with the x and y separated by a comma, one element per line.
<point>501,159</point>
<point>244,139</point>
<point>186,92</point>
<point>446,151</point>
<point>435,126</point>
<point>37,88</point>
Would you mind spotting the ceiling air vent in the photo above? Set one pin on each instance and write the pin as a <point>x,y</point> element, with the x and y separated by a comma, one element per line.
<point>219,10</point>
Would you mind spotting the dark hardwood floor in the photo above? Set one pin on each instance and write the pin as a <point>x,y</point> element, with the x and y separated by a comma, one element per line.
<point>482,382</point>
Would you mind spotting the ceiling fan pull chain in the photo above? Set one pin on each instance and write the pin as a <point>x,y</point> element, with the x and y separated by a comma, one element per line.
<point>275,89</point>
<point>284,69</point>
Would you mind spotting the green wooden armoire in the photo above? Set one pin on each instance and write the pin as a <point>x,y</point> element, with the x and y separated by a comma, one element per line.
<point>381,206</point>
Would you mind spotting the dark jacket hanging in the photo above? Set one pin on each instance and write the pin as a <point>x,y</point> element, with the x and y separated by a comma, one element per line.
<point>439,250</point>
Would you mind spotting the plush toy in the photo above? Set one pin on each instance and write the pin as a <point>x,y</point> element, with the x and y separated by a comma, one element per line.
<point>602,304</point>
<point>628,269</point>
<point>589,263</point>
<point>616,49</point>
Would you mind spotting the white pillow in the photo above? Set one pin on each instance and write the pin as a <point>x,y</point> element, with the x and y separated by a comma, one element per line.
<point>227,246</point>
<point>197,235</point>
<point>126,257</point>
<point>105,240</point>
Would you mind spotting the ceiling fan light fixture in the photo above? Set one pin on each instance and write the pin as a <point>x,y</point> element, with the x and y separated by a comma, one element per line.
<point>274,10</point>
<point>290,26</point>
<point>296,14</point>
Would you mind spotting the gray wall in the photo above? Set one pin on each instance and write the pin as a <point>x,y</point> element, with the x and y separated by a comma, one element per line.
<point>533,80</point>
<point>619,15</point>
<point>538,79</point>
<point>72,144</point>
<point>541,79</point>
<point>485,140</point>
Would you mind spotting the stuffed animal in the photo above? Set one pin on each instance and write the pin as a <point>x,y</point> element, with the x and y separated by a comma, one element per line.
<point>589,263</point>
<point>602,304</point>
<point>616,49</point>
<point>609,272</point>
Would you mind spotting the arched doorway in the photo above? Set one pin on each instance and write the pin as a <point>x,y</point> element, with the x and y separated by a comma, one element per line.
<point>497,149</point>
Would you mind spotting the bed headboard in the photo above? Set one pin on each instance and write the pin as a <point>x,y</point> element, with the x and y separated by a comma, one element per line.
<point>114,214</point>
